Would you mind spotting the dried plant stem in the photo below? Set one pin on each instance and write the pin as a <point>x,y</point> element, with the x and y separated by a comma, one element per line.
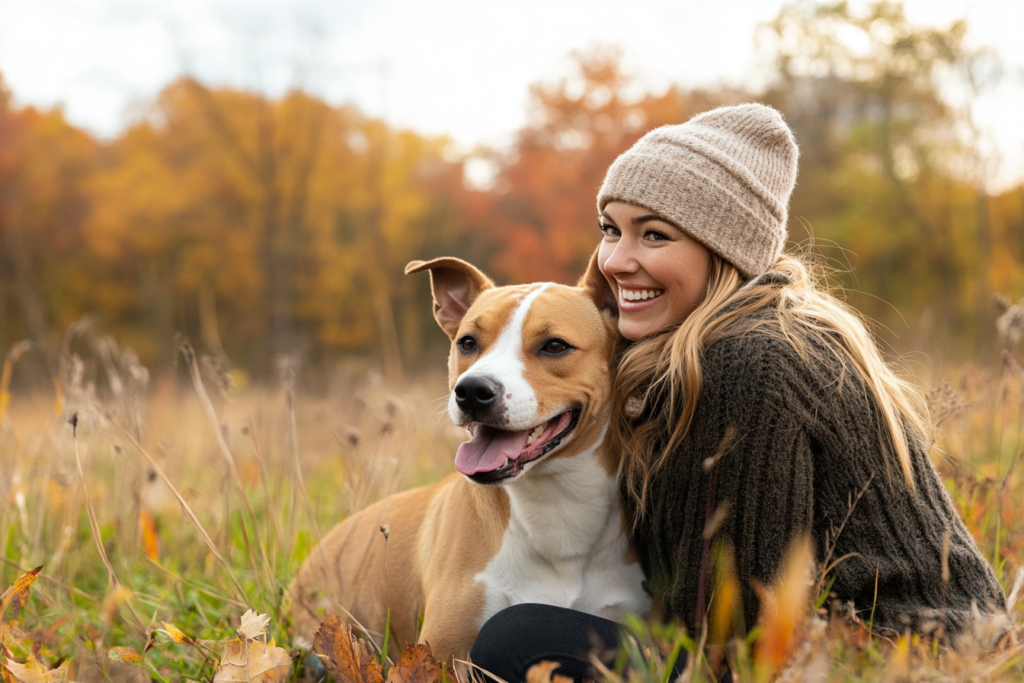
<point>470,665</point>
<point>93,525</point>
<point>239,592</point>
<point>1018,582</point>
<point>385,529</point>
<point>211,414</point>
<point>294,439</point>
<point>271,502</point>
<point>826,567</point>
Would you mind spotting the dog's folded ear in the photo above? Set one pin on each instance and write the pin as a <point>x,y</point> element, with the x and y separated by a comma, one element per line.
<point>594,283</point>
<point>455,285</point>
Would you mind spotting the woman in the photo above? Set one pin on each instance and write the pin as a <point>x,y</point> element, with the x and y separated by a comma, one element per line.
<point>752,409</point>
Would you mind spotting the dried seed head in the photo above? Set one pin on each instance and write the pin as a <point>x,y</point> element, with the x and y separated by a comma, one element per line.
<point>386,530</point>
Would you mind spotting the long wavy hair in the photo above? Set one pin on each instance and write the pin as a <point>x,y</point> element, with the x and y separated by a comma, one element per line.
<point>659,377</point>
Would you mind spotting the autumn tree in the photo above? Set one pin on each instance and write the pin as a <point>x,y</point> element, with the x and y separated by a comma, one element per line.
<point>45,165</point>
<point>886,173</point>
<point>293,217</point>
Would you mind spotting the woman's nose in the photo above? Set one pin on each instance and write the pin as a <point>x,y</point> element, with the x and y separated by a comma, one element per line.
<point>621,259</point>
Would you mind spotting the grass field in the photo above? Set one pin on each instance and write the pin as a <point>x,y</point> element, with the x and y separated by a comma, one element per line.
<point>205,500</point>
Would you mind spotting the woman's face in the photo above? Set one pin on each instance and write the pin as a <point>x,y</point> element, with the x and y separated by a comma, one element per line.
<point>658,272</point>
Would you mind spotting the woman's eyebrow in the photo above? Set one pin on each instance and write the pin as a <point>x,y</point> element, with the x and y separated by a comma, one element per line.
<point>640,220</point>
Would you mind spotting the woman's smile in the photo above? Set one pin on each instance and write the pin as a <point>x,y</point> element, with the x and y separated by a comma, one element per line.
<point>636,299</point>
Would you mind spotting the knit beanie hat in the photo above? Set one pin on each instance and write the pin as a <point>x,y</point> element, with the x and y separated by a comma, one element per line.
<point>724,177</point>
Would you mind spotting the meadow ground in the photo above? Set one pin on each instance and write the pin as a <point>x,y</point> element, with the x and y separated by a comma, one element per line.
<point>262,472</point>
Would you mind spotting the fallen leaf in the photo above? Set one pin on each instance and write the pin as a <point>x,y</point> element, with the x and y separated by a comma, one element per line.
<point>785,609</point>
<point>253,625</point>
<point>176,635</point>
<point>333,642</point>
<point>260,662</point>
<point>369,666</point>
<point>542,671</point>
<point>33,671</point>
<point>124,654</point>
<point>17,595</point>
<point>150,536</point>
<point>416,665</point>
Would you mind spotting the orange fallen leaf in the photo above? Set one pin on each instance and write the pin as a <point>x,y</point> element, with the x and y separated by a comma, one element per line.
<point>17,595</point>
<point>784,608</point>
<point>150,536</point>
<point>333,642</point>
<point>124,654</point>
<point>176,635</point>
<point>542,671</point>
<point>416,665</point>
<point>33,671</point>
<point>254,661</point>
<point>369,666</point>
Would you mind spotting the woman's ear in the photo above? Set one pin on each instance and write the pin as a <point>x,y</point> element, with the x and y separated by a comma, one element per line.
<point>455,285</point>
<point>596,285</point>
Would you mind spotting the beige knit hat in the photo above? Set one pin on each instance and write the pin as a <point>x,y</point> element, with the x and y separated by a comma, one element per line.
<point>724,177</point>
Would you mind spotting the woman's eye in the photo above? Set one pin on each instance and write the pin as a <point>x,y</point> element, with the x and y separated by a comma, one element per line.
<point>467,343</point>
<point>655,236</point>
<point>609,230</point>
<point>555,347</point>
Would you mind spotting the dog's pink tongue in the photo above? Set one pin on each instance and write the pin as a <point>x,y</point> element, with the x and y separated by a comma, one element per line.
<point>488,449</point>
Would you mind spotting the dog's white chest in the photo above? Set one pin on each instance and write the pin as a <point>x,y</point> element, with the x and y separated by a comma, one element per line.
<point>565,546</point>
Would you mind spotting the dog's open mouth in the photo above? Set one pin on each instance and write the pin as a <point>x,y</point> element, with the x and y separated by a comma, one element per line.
<point>493,454</point>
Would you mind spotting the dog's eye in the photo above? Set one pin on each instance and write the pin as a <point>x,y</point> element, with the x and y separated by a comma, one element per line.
<point>555,347</point>
<point>467,344</point>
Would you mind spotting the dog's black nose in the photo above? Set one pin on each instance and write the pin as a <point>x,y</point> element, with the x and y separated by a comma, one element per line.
<point>476,394</point>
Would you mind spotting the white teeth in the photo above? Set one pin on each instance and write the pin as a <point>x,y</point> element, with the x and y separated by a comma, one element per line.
<point>505,464</point>
<point>642,295</point>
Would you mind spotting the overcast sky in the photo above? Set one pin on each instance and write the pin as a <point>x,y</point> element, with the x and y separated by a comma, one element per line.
<point>458,67</point>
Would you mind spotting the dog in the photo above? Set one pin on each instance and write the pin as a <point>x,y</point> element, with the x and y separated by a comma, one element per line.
<point>533,513</point>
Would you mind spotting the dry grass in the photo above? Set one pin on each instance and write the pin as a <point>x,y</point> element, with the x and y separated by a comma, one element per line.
<point>200,512</point>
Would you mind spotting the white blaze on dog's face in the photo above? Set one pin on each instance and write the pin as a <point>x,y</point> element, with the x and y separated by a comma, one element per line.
<point>529,371</point>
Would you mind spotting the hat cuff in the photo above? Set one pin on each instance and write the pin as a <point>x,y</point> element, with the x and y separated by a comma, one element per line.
<point>707,206</point>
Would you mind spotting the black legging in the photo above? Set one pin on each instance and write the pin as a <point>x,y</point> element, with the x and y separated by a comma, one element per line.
<point>520,636</point>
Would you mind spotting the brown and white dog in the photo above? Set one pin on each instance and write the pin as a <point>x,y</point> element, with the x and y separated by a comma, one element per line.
<point>533,515</point>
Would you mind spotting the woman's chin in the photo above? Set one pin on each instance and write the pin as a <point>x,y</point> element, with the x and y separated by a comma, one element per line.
<point>635,327</point>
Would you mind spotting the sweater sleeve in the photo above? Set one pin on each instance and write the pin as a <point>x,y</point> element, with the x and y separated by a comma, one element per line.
<point>757,496</point>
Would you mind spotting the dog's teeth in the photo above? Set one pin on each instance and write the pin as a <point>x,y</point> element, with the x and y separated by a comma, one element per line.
<point>530,439</point>
<point>505,464</point>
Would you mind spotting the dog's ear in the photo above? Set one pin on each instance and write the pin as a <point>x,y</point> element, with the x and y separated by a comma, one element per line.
<point>594,283</point>
<point>455,285</point>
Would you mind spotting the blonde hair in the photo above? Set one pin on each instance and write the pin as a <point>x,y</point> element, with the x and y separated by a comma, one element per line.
<point>659,378</point>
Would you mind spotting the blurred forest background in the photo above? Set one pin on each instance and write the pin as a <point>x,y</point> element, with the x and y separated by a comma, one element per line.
<point>259,226</point>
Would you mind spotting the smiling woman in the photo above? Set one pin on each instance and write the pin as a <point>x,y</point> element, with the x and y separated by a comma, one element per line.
<point>754,413</point>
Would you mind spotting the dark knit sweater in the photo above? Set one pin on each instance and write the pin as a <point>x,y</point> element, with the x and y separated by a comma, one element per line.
<point>801,452</point>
